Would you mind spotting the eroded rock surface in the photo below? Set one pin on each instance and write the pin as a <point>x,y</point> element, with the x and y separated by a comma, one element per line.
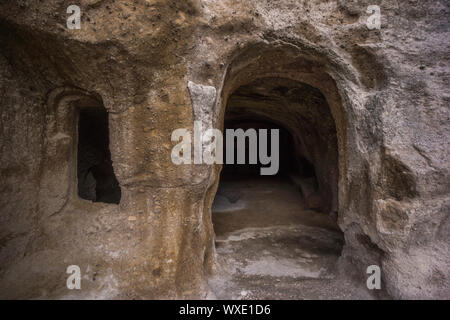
<point>386,90</point>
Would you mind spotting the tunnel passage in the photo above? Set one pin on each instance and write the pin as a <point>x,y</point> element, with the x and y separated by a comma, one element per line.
<point>96,179</point>
<point>308,141</point>
<point>268,224</point>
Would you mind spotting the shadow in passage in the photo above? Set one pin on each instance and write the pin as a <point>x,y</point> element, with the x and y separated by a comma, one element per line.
<point>96,179</point>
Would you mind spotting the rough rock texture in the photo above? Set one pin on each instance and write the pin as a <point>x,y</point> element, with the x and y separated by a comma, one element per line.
<point>386,90</point>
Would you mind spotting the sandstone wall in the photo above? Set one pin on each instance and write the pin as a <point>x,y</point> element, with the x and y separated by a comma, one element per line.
<point>386,90</point>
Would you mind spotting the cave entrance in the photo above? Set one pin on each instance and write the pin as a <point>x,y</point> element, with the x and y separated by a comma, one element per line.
<point>96,179</point>
<point>278,229</point>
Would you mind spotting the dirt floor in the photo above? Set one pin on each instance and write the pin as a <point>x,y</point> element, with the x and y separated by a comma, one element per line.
<point>270,247</point>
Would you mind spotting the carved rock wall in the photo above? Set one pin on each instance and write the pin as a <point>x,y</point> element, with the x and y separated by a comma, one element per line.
<point>159,65</point>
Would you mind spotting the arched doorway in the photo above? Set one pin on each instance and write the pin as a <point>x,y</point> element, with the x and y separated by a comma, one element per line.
<point>278,234</point>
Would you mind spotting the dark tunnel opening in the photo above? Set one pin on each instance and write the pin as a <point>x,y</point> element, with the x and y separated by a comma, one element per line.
<point>265,225</point>
<point>308,157</point>
<point>96,179</point>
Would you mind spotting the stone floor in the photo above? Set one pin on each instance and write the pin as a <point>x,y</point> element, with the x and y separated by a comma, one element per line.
<point>270,247</point>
